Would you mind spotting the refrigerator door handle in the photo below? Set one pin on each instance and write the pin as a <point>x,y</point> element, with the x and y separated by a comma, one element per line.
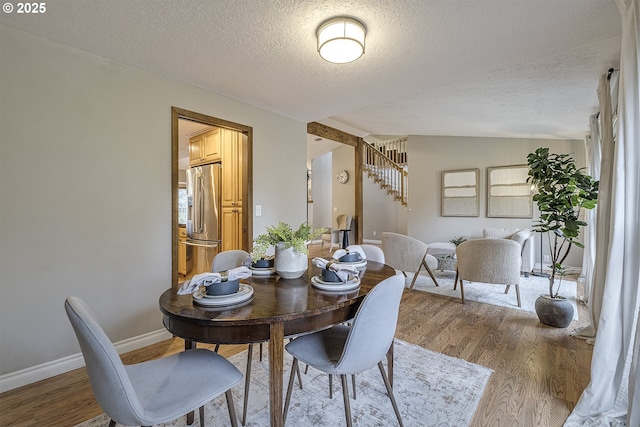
<point>199,204</point>
<point>201,244</point>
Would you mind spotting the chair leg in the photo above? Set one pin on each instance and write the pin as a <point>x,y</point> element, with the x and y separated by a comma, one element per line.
<point>390,391</point>
<point>247,382</point>
<point>202,416</point>
<point>353,383</point>
<point>424,262</point>
<point>518,294</point>
<point>506,290</point>
<point>261,352</point>
<point>413,282</point>
<point>330,386</point>
<point>461,290</point>
<point>232,408</point>
<point>345,398</point>
<point>299,376</point>
<point>289,388</point>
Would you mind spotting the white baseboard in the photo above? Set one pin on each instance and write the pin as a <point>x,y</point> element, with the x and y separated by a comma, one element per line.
<point>547,269</point>
<point>372,241</point>
<point>69,363</point>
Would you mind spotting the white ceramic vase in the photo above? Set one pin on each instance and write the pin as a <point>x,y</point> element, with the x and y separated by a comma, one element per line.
<point>290,263</point>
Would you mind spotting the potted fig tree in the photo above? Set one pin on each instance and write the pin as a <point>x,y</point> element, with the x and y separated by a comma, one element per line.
<point>561,192</point>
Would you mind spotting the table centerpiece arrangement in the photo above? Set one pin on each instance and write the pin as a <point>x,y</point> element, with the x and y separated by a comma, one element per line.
<point>291,252</point>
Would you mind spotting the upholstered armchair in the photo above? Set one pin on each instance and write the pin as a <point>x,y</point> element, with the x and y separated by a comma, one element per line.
<point>522,236</point>
<point>405,253</point>
<point>490,261</point>
<point>331,237</point>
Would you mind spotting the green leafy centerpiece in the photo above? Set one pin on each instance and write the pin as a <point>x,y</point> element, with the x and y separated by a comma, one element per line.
<point>562,191</point>
<point>291,253</point>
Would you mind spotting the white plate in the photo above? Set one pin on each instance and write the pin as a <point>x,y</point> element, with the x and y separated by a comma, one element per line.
<point>335,286</point>
<point>244,294</point>
<point>262,271</point>
<point>356,264</point>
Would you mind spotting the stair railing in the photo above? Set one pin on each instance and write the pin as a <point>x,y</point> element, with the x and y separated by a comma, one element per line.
<point>384,170</point>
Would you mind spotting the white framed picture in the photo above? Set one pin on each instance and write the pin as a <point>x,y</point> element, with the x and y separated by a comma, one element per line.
<point>460,195</point>
<point>508,193</point>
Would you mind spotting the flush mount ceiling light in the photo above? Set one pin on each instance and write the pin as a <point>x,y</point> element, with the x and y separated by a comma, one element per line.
<point>341,39</point>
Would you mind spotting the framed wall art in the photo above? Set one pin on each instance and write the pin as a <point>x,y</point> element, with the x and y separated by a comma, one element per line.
<point>460,192</point>
<point>508,193</point>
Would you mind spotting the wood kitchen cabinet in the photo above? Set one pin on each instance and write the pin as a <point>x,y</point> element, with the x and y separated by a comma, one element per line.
<point>184,258</point>
<point>231,228</point>
<point>205,148</point>
<point>231,169</point>
<point>232,190</point>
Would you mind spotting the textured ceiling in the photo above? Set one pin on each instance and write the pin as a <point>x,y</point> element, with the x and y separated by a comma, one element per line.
<point>504,68</point>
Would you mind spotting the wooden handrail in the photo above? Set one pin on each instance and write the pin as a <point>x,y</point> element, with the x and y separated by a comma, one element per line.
<point>391,176</point>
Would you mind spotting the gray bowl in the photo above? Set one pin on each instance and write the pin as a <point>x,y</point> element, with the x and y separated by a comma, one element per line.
<point>226,287</point>
<point>350,257</point>
<point>263,263</point>
<point>330,276</point>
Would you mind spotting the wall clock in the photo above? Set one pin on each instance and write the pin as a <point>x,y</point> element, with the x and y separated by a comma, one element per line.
<point>342,177</point>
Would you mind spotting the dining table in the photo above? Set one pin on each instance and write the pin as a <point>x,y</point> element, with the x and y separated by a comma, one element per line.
<point>278,308</point>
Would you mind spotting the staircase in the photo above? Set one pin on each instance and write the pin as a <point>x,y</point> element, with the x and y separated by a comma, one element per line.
<point>386,163</point>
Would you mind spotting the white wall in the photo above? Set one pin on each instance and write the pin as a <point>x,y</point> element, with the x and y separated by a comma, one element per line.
<point>85,190</point>
<point>343,195</point>
<point>381,211</point>
<point>321,187</point>
<point>430,155</point>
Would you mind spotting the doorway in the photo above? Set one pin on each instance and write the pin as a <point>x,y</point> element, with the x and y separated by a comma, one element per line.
<point>185,125</point>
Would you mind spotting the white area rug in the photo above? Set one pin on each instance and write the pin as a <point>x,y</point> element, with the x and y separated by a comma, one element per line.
<point>530,289</point>
<point>431,389</point>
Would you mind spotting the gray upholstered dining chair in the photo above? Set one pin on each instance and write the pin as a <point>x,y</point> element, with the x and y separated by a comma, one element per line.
<point>489,261</point>
<point>227,260</point>
<point>223,261</point>
<point>405,253</point>
<point>152,392</point>
<point>373,253</point>
<point>349,349</point>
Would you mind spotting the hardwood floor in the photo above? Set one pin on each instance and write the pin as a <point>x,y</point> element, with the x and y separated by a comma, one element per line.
<point>539,372</point>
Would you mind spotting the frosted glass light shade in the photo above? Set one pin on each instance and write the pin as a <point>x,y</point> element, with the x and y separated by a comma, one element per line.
<point>341,40</point>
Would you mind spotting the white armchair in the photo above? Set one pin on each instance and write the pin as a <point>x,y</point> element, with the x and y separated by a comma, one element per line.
<point>523,236</point>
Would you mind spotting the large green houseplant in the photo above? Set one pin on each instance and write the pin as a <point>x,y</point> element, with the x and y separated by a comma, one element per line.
<point>561,192</point>
<point>290,247</point>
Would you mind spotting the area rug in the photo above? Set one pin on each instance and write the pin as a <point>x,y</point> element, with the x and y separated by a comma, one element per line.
<point>431,389</point>
<point>530,289</point>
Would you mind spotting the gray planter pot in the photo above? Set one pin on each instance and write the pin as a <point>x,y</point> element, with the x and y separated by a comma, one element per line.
<point>556,312</point>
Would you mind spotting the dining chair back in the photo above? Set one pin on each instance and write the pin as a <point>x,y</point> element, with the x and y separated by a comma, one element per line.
<point>227,260</point>
<point>373,328</point>
<point>349,349</point>
<point>373,253</point>
<point>489,261</point>
<point>224,261</point>
<point>151,392</point>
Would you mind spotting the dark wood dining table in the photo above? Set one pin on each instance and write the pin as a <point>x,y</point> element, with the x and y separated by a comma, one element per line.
<point>279,308</point>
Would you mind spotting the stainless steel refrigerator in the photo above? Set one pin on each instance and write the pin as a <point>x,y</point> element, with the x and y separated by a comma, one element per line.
<point>203,221</point>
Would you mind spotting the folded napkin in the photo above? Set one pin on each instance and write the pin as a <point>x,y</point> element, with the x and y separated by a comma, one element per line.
<point>207,279</point>
<point>342,270</point>
<point>350,249</point>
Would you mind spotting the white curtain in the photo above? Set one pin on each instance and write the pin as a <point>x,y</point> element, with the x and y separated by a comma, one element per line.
<point>593,151</point>
<point>603,145</point>
<point>613,395</point>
